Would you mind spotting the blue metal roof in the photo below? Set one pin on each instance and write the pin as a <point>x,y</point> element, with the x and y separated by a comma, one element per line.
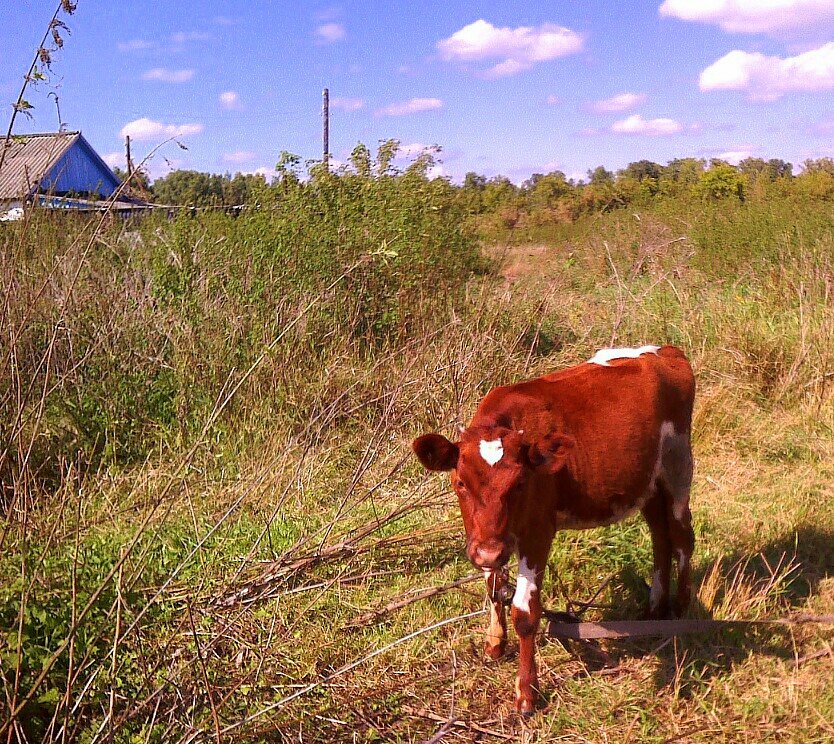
<point>80,170</point>
<point>57,163</point>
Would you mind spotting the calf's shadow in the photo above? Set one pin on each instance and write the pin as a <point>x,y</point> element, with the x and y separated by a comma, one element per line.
<point>689,660</point>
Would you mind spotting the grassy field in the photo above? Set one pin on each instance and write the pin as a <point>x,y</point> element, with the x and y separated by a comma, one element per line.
<point>213,527</point>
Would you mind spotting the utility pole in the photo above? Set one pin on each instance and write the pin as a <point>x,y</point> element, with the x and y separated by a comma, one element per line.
<point>325,134</point>
<point>127,155</point>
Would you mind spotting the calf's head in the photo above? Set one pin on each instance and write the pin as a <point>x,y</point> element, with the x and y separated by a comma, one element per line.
<point>490,471</point>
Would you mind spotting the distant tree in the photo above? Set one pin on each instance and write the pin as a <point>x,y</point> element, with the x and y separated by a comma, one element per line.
<point>287,168</point>
<point>628,189</point>
<point>823,165</point>
<point>360,159</point>
<point>139,181</point>
<point>816,180</point>
<point>779,168</point>
<point>684,171</point>
<point>531,182</point>
<point>499,188</point>
<point>427,159</point>
<point>546,190</point>
<point>189,188</point>
<point>474,181</point>
<point>600,175</point>
<point>642,170</point>
<point>385,155</point>
<point>239,190</point>
<point>767,169</point>
<point>721,181</point>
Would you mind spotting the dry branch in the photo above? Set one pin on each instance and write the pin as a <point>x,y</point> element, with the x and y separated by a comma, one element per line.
<point>410,598</point>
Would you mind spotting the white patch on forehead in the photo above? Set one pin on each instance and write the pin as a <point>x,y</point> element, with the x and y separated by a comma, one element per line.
<point>603,356</point>
<point>525,586</point>
<point>492,452</point>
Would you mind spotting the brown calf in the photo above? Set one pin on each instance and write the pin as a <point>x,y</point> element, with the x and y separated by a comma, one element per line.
<point>583,447</point>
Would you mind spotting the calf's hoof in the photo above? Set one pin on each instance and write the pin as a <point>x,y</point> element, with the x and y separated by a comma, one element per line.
<point>663,612</point>
<point>681,606</point>
<point>494,651</point>
<point>525,700</point>
<point>526,706</point>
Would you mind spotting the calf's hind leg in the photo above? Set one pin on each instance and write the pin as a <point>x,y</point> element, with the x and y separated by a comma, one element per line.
<point>675,484</point>
<point>654,512</point>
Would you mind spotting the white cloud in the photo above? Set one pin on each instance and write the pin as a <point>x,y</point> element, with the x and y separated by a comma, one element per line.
<point>620,102</point>
<point>410,150</point>
<point>266,171</point>
<point>240,156</point>
<point>230,100</point>
<point>180,37</point>
<point>517,48</point>
<point>437,171</point>
<point>114,159</point>
<point>145,129</point>
<point>553,99</point>
<point>328,33</point>
<point>412,106</point>
<point>636,124</point>
<point>734,157</point>
<point>160,167</point>
<point>752,16</point>
<point>135,45</point>
<point>768,78</point>
<point>347,104</point>
<point>168,76</point>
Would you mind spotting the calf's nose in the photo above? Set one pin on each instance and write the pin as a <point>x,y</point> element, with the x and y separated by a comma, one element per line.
<point>489,556</point>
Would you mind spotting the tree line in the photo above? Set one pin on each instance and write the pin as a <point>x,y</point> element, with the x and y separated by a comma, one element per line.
<point>548,196</point>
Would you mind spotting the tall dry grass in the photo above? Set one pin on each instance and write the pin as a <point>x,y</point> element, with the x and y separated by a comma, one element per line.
<point>207,486</point>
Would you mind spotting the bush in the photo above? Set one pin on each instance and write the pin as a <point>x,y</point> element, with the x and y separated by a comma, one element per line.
<point>123,343</point>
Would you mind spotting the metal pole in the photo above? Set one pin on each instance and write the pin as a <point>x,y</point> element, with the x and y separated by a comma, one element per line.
<point>325,115</point>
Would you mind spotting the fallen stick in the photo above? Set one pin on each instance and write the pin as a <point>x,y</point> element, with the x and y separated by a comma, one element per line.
<point>457,723</point>
<point>560,626</point>
<point>404,601</point>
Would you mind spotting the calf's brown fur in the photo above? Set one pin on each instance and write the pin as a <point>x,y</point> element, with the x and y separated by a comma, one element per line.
<point>579,448</point>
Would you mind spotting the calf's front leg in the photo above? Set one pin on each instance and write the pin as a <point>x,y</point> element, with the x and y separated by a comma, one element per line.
<point>526,614</point>
<point>496,635</point>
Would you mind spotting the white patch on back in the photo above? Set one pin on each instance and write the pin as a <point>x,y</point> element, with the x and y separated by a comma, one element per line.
<point>492,452</point>
<point>603,356</point>
<point>654,594</point>
<point>525,586</point>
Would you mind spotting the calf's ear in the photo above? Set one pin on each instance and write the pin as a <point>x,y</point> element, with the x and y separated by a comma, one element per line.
<point>436,452</point>
<point>551,452</point>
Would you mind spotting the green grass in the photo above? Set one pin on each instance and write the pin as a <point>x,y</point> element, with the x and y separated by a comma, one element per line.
<point>267,525</point>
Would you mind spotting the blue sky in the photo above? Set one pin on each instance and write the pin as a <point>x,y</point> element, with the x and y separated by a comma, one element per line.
<point>503,88</point>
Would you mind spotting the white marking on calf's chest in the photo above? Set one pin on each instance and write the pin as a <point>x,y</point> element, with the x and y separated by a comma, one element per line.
<point>603,356</point>
<point>525,586</point>
<point>492,451</point>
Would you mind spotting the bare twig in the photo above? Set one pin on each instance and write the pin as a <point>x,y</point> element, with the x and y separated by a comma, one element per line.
<point>410,598</point>
<point>348,667</point>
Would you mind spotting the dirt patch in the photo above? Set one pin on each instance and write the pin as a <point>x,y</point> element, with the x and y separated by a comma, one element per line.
<point>518,262</point>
